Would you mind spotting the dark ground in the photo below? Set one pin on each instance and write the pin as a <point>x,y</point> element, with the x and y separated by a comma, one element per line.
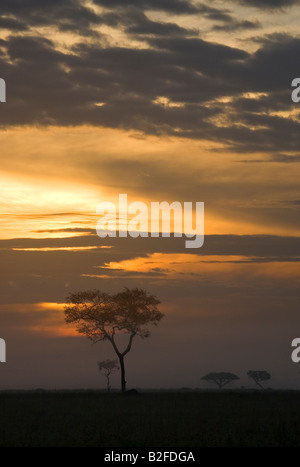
<point>150,419</point>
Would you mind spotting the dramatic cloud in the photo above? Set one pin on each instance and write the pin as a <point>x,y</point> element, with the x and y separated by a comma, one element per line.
<point>179,84</point>
<point>234,25</point>
<point>65,15</point>
<point>268,4</point>
<point>69,97</point>
<point>174,6</point>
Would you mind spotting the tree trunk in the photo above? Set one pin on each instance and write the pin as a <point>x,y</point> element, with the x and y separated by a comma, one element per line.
<point>121,358</point>
<point>122,367</point>
<point>107,383</point>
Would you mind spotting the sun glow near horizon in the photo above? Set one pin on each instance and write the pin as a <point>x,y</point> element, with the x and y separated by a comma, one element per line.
<point>38,195</point>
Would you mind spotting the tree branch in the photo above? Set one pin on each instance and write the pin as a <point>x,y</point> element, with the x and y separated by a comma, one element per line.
<point>112,340</point>
<point>129,344</point>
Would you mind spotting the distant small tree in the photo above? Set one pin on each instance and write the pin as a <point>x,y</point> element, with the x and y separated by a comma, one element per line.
<point>259,376</point>
<point>107,368</point>
<point>220,379</point>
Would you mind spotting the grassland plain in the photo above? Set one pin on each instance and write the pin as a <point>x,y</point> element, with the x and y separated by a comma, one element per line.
<point>150,419</point>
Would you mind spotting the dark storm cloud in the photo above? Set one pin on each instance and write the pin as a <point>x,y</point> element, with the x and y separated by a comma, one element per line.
<point>274,65</point>
<point>285,158</point>
<point>137,23</point>
<point>282,158</point>
<point>234,25</point>
<point>45,12</point>
<point>177,7</point>
<point>47,86</point>
<point>66,15</point>
<point>275,101</point>
<point>122,78</point>
<point>268,4</point>
<point>143,26</point>
<point>173,6</point>
<point>197,53</point>
<point>133,19</point>
<point>12,24</point>
<point>214,14</point>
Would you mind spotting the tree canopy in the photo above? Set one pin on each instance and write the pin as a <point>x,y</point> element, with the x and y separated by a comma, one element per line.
<point>258,376</point>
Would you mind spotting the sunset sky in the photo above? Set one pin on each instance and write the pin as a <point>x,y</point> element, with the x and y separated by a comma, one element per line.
<point>164,100</point>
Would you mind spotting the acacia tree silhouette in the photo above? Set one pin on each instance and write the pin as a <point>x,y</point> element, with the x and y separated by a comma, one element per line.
<point>220,379</point>
<point>102,316</point>
<point>108,367</point>
<point>258,376</point>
